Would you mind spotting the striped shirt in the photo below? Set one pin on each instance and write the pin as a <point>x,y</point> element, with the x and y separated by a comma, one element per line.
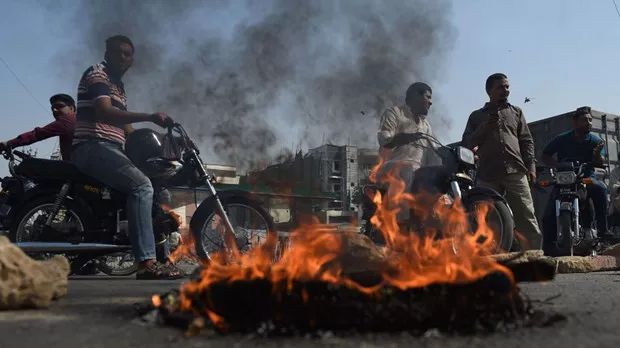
<point>97,83</point>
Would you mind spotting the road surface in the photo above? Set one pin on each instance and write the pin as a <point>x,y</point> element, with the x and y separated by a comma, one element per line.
<point>99,312</point>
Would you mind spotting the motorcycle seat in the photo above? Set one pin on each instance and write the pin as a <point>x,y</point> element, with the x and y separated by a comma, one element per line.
<point>51,170</point>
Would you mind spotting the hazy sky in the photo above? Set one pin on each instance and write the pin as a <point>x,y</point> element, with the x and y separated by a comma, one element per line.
<point>561,53</point>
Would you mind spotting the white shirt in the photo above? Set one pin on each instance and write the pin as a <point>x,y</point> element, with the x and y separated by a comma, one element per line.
<point>400,119</point>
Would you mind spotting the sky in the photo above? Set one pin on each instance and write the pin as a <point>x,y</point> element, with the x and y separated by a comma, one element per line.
<point>562,54</point>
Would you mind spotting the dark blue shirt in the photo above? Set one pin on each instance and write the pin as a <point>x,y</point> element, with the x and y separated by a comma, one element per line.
<point>569,148</point>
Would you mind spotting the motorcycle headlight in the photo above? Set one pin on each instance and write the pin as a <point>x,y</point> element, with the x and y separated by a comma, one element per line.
<point>566,178</point>
<point>465,155</point>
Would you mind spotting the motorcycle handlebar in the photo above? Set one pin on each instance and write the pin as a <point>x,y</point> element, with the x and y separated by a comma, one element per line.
<point>21,154</point>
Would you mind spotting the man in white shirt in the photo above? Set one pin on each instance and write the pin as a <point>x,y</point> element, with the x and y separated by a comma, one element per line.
<point>402,152</point>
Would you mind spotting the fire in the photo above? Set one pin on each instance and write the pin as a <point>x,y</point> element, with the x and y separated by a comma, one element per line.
<point>156,300</point>
<point>185,249</point>
<point>444,252</point>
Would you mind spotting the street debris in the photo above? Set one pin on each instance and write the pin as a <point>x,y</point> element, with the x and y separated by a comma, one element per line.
<point>27,283</point>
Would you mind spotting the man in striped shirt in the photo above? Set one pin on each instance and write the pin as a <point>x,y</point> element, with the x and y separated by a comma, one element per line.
<point>98,141</point>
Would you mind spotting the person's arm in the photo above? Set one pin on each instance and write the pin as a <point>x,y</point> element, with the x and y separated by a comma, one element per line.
<point>104,110</point>
<point>387,129</point>
<point>526,145</point>
<point>56,128</point>
<point>598,154</point>
<point>475,133</point>
<point>99,91</point>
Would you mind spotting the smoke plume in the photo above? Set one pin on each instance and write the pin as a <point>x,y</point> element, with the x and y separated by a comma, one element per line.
<point>253,79</point>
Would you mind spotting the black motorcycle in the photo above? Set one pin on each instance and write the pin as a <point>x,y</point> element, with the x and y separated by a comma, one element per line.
<point>50,207</point>
<point>454,178</point>
<point>575,219</point>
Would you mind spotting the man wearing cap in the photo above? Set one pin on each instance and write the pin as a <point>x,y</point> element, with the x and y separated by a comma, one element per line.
<point>63,110</point>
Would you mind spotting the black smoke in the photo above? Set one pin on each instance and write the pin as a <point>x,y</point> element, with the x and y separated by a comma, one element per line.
<point>253,79</point>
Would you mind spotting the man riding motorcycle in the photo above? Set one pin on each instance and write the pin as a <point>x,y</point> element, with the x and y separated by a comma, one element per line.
<point>63,110</point>
<point>403,155</point>
<point>98,149</point>
<point>580,145</point>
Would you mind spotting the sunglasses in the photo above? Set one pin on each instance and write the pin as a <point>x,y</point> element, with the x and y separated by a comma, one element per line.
<point>58,106</point>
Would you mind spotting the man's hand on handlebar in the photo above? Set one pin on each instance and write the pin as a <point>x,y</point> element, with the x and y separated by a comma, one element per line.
<point>162,120</point>
<point>4,146</point>
<point>403,139</point>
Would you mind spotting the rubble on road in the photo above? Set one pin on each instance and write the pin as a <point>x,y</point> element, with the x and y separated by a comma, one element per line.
<point>609,260</point>
<point>27,283</point>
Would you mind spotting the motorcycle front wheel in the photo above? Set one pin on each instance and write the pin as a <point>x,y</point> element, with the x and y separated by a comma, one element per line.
<point>498,218</point>
<point>565,227</point>
<point>251,224</point>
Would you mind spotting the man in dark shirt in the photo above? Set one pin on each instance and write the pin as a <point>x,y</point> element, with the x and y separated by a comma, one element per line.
<point>63,109</point>
<point>580,145</point>
<point>99,137</point>
<point>499,134</point>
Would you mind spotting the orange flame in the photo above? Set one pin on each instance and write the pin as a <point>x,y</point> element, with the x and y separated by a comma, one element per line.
<point>185,250</point>
<point>156,300</point>
<point>445,252</point>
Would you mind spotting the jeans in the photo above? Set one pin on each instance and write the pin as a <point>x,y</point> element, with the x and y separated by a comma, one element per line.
<point>597,191</point>
<point>107,163</point>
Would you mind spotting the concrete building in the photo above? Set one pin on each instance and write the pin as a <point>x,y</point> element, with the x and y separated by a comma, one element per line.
<point>331,170</point>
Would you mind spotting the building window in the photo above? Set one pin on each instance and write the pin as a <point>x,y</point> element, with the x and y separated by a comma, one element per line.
<point>336,166</point>
<point>352,160</point>
<point>336,187</point>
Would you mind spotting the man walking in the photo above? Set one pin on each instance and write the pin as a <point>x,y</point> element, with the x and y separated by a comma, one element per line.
<point>499,134</point>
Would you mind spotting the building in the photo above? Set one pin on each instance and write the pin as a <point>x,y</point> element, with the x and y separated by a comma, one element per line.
<point>327,170</point>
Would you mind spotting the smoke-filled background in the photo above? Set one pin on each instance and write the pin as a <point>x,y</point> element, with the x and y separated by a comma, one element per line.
<point>253,80</point>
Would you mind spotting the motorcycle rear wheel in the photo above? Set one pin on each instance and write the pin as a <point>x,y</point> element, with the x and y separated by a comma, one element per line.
<point>27,225</point>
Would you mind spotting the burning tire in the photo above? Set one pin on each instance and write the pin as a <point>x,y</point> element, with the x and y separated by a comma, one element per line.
<point>250,222</point>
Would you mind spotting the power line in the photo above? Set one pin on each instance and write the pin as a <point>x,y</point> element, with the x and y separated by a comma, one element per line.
<point>21,83</point>
<point>56,144</point>
<point>616,6</point>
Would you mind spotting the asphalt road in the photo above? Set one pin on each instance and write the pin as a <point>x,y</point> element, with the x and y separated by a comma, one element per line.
<point>99,312</point>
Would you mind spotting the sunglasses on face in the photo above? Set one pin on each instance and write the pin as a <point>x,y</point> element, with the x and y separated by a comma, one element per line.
<point>58,106</point>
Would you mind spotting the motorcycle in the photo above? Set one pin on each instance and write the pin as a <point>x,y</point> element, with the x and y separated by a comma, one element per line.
<point>50,207</point>
<point>574,211</point>
<point>454,178</point>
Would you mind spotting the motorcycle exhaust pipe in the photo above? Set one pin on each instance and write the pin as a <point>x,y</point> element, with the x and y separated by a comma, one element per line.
<point>58,247</point>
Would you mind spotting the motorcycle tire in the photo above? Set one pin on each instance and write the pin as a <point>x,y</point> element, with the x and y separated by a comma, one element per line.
<point>500,220</point>
<point>117,270</point>
<point>565,239</point>
<point>28,210</point>
<point>208,240</point>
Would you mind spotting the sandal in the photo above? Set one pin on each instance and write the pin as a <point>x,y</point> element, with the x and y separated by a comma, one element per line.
<point>160,271</point>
